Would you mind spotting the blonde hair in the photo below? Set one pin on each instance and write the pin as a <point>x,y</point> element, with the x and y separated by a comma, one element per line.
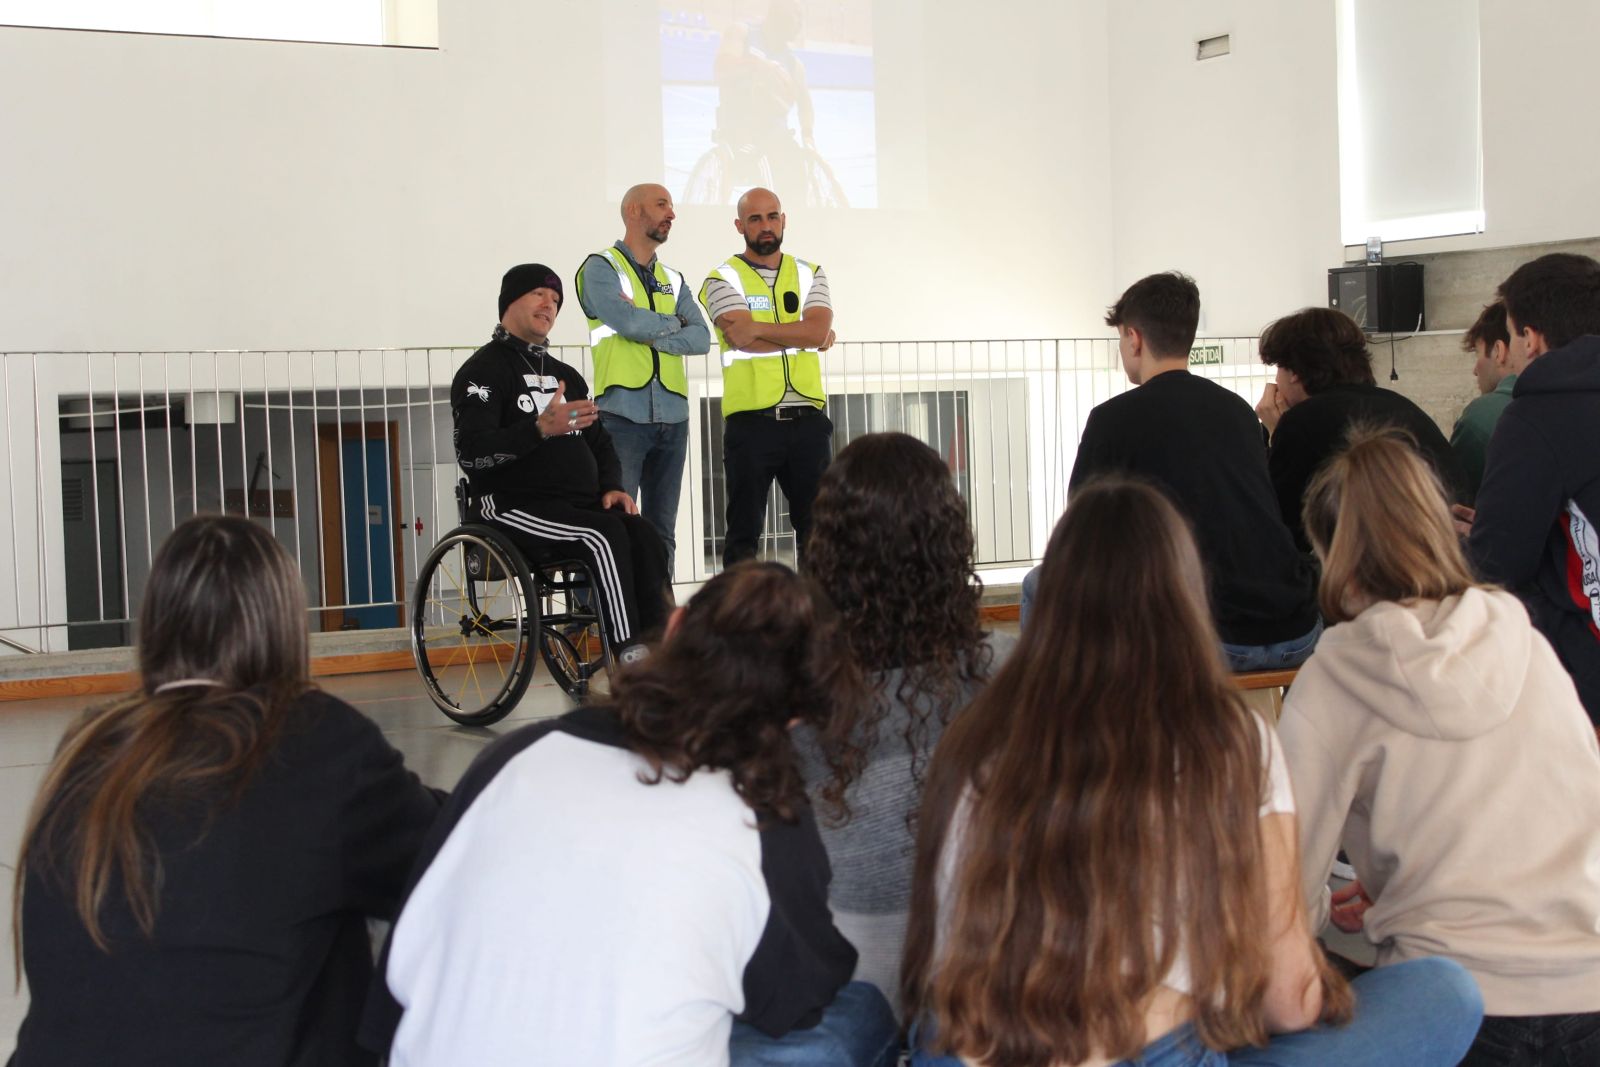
<point>1377,516</point>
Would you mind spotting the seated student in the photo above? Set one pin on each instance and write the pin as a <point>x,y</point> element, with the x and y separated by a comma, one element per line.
<point>892,547</point>
<point>1537,528</point>
<point>1492,370</point>
<point>1200,443</point>
<point>643,882</point>
<point>1437,738</point>
<point>1106,856</point>
<point>198,867</point>
<point>1324,386</point>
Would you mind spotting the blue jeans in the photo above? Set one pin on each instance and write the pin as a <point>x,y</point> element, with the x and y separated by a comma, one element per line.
<point>858,1030</point>
<point>1537,1041</point>
<point>1420,1013</point>
<point>652,455</point>
<point>1284,654</point>
<point>1276,657</point>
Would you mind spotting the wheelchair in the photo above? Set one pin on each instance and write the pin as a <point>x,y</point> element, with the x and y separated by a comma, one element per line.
<point>479,612</point>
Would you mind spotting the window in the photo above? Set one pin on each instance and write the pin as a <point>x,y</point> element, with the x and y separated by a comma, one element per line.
<point>1410,120</point>
<point>373,22</point>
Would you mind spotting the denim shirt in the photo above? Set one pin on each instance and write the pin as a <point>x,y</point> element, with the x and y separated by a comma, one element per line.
<point>602,299</point>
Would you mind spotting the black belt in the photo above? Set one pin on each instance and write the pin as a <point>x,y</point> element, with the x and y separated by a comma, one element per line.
<point>787,412</point>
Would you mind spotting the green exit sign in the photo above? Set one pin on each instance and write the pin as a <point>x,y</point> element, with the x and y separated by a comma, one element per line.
<point>1205,355</point>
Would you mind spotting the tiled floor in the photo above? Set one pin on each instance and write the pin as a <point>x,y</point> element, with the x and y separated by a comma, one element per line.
<point>434,747</point>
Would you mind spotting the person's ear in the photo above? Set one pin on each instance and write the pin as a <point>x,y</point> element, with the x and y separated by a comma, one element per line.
<point>674,621</point>
<point>1500,354</point>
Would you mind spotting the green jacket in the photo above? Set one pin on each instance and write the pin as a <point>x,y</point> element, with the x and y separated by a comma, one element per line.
<point>1470,439</point>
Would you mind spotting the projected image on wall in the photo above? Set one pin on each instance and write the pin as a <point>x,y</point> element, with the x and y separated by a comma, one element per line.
<point>776,93</point>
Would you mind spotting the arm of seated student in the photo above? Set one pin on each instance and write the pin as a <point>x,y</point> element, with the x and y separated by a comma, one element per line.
<point>1349,908</point>
<point>1294,987</point>
<point>746,334</point>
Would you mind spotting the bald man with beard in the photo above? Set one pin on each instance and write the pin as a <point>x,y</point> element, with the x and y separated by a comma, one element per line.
<point>774,318</point>
<point>642,321</point>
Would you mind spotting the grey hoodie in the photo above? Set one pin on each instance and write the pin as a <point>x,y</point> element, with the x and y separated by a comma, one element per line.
<point>1443,746</point>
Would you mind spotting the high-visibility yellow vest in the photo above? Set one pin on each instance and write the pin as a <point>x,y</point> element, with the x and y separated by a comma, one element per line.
<point>631,364</point>
<point>755,380</point>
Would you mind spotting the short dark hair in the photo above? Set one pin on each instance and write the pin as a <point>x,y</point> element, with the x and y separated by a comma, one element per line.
<point>1490,327</point>
<point>1321,346</point>
<point>1558,295</point>
<point>1164,307</point>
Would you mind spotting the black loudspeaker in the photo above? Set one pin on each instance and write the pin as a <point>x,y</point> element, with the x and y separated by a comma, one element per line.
<point>1381,297</point>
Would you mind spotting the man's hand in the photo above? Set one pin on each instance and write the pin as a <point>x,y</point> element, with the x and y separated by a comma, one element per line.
<point>618,499</point>
<point>1349,908</point>
<point>824,346</point>
<point>742,331</point>
<point>1464,517</point>
<point>561,417</point>
<point>1271,408</point>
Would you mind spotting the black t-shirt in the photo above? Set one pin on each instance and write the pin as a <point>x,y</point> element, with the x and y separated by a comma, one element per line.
<point>1201,443</point>
<point>1312,431</point>
<point>496,399</point>
<point>260,955</point>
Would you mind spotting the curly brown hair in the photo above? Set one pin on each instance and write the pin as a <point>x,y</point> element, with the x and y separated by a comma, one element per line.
<point>756,651</point>
<point>891,545</point>
<point>1323,347</point>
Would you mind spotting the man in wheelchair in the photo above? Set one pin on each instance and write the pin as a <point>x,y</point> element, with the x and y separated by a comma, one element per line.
<point>544,470</point>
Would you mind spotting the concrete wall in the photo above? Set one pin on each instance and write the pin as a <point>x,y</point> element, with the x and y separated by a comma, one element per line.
<point>1434,371</point>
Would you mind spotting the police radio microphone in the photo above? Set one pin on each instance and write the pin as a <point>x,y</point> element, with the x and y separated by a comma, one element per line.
<point>791,302</point>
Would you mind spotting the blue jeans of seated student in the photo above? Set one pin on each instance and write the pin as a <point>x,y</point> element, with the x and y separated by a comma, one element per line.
<point>857,1030</point>
<point>1274,657</point>
<point>1279,656</point>
<point>652,456</point>
<point>1420,1013</point>
<point>1537,1041</point>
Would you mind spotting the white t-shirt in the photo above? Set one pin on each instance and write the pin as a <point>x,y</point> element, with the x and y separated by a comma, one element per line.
<point>568,913</point>
<point>1279,800</point>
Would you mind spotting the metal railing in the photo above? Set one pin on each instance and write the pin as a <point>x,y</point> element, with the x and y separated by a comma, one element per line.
<point>346,457</point>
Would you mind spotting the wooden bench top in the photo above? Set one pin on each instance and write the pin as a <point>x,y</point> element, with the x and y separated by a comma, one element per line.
<point>1265,679</point>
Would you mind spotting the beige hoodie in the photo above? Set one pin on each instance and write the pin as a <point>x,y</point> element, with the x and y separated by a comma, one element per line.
<point>1443,746</point>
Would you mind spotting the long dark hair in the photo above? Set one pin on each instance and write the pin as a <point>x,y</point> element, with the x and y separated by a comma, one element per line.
<point>892,546</point>
<point>755,651</point>
<point>222,653</point>
<point>1113,779</point>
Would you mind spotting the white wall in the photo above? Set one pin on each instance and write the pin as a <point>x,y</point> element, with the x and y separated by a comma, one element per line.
<point>1541,143</point>
<point>175,193</point>
<point>1227,169</point>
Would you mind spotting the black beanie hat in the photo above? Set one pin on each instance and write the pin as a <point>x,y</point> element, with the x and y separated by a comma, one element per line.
<point>524,279</point>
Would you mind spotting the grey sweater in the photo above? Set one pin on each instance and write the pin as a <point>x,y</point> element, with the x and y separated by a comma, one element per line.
<point>872,854</point>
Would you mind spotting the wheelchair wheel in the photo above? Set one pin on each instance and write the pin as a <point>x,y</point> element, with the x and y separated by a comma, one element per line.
<point>572,641</point>
<point>710,177</point>
<point>474,615</point>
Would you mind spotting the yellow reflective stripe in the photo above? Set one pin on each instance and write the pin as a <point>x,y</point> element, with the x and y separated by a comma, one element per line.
<point>731,276</point>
